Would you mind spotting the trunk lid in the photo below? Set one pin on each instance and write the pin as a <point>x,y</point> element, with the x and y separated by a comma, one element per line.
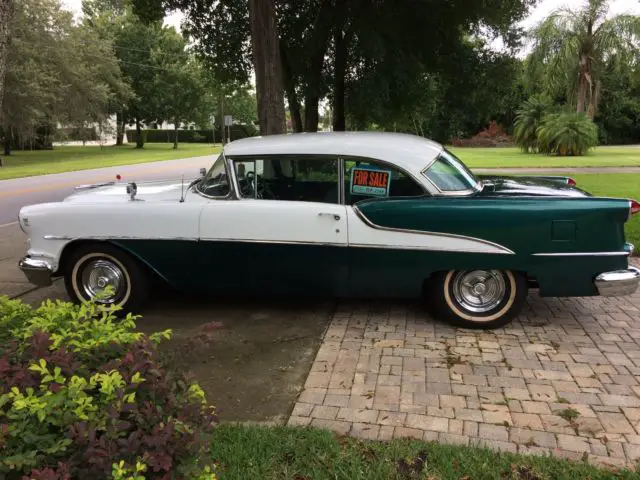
<point>527,187</point>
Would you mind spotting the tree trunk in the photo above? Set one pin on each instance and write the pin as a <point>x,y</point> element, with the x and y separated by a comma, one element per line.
<point>583,86</point>
<point>139,139</point>
<point>321,32</point>
<point>175,138</point>
<point>119,129</point>
<point>7,141</point>
<point>267,66</point>
<point>5,15</point>
<point>290,89</point>
<point>221,115</point>
<point>339,123</point>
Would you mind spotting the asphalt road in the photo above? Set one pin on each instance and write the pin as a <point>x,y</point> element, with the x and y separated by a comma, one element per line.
<point>19,192</point>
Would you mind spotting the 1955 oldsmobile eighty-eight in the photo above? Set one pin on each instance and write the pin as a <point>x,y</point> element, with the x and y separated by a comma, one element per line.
<point>338,214</point>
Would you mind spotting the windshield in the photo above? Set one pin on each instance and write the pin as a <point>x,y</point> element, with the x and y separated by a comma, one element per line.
<point>216,182</point>
<point>449,174</point>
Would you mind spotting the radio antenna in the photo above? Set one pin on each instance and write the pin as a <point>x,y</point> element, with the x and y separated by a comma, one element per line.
<point>182,194</point>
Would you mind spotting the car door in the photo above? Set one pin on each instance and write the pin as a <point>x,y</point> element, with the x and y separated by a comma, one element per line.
<point>381,261</point>
<point>285,234</point>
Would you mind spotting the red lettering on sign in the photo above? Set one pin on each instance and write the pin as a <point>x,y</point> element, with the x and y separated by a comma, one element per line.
<point>378,179</point>
<point>361,177</point>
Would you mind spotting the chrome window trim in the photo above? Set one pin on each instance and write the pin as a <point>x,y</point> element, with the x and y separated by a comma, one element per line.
<point>582,254</point>
<point>232,195</point>
<point>505,250</point>
<point>342,193</point>
<point>239,158</point>
<point>449,193</point>
<point>346,158</point>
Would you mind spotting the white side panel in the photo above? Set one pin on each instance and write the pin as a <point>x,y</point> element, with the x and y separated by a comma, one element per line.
<point>53,225</point>
<point>365,234</point>
<point>274,221</point>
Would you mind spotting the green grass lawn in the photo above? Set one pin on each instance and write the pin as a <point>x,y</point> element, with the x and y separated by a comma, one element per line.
<point>66,159</point>
<point>514,158</point>
<point>301,453</point>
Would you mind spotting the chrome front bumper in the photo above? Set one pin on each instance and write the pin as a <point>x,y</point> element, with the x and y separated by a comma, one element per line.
<point>37,272</point>
<point>618,282</point>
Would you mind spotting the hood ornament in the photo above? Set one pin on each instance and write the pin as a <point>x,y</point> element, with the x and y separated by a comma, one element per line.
<point>132,190</point>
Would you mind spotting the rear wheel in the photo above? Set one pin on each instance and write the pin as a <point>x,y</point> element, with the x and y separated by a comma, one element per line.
<point>94,269</point>
<point>478,298</point>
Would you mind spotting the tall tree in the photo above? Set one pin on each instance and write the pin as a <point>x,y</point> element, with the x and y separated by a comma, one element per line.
<point>572,46</point>
<point>57,72</point>
<point>181,94</point>
<point>267,66</point>
<point>5,15</point>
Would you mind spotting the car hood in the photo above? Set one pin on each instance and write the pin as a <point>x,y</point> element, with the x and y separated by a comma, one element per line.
<point>528,186</point>
<point>159,191</point>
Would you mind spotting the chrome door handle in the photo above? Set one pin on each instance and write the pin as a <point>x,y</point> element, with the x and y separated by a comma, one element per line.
<point>335,216</point>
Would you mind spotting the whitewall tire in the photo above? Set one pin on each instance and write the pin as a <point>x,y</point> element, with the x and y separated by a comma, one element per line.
<point>92,269</point>
<point>478,298</point>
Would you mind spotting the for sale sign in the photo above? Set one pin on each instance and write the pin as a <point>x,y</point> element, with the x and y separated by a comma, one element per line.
<point>367,181</point>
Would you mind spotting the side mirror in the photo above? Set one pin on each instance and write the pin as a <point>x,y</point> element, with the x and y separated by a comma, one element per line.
<point>203,172</point>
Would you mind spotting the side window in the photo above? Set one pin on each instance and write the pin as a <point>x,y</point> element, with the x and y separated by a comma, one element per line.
<point>370,179</point>
<point>303,178</point>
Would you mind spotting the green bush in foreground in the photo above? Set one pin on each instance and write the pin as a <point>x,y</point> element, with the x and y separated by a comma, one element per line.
<point>83,395</point>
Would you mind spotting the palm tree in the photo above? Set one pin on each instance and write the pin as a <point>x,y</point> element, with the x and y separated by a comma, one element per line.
<point>572,46</point>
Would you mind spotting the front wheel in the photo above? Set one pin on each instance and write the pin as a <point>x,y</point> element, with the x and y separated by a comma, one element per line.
<point>478,298</point>
<point>106,274</point>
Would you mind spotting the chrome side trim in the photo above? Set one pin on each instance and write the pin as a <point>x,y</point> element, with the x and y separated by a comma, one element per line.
<point>117,237</point>
<point>414,247</point>
<point>277,242</point>
<point>618,283</point>
<point>581,254</point>
<point>504,250</point>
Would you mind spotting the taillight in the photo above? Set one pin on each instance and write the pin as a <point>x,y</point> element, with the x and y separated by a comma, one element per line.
<point>571,181</point>
<point>634,206</point>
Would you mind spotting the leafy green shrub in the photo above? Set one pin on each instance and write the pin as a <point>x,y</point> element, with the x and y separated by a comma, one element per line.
<point>528,119</point>
<point>193,136</point>
<point>567,134</point>
<point>83,395</point>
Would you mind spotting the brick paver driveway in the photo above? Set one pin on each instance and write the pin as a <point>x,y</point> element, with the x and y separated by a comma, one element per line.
<point>564,378</point>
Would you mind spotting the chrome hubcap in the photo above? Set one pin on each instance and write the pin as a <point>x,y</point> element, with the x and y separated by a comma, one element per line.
<point>479,291</point>
<point>100,274</point>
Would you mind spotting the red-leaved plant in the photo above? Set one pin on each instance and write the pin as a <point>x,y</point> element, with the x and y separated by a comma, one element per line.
<point>76,405</point>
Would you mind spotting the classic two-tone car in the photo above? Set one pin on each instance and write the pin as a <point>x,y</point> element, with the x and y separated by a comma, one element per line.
<point>338,214</point>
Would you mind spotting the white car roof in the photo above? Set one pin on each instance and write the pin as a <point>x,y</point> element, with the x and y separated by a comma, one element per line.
<point>409,152</point>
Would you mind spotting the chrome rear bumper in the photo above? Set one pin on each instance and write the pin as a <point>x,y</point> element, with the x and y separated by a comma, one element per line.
<point>618,282</point>
<point>37,272</point>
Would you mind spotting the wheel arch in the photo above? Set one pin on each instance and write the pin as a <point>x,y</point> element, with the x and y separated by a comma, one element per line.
<point>74,245</point>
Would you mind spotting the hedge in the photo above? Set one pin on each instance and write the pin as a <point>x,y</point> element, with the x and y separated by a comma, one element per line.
<point>85,395</point>
<point>191,136</point>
